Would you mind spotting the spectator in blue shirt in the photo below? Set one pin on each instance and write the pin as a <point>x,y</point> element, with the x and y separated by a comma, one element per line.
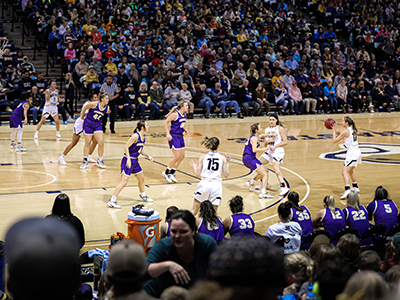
<point>201,41</point>
<point>300,76</point>
<point>291,63</point>
<point>330,93</point>
<point>263,36</point>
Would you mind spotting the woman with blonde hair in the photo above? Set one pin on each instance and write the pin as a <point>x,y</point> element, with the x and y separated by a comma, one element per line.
<point>262,99</point>
<point>330,217</point>
<point>356,216</point>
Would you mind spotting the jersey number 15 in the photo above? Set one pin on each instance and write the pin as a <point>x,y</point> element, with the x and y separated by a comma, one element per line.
<point>213,164</point>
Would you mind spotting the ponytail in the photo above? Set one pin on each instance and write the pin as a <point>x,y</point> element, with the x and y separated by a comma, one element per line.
<point>177,107</point>
<point>141,124</point>
<point>330,203</point>
<point>351,123</point>
<point>253,128</point>
<point>293,197</point>
<point>211,143</point>
<point>278,122</point>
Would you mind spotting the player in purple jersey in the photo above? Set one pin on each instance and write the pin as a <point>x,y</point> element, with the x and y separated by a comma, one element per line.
<point>164,229</point>
<point>92,128</point>
<point>356,215</point>
<point>177,118</point>
<point>250,160</point>
<point>209,223</point>
<point>383,209</point>
<point>76,136</point>
<point>300,214</point>
<point>130,164</point>
<point>19,113</point>
<point>238,224</point>
<point>331,218</point>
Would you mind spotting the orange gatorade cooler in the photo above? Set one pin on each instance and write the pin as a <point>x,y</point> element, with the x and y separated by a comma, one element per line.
<point>144,230</point>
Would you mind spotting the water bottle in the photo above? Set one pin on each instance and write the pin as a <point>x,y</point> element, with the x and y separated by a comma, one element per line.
<point>310,295</point>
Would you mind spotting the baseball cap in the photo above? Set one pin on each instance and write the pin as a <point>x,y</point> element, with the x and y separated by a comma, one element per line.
<point>38,249</point>
<point>396,240</point>
<point>130,85</point>
<point>191,54</point>
<point>122,66</point>
<point>127,262</point>
<point>91,67</point>
<point>294,82</point>
<point>300,69</point>
<point>25,57</point>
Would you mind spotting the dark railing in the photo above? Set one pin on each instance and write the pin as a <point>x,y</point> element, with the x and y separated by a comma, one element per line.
<point>4,6</point>
<point>25,30</point>
<point>15,15</point>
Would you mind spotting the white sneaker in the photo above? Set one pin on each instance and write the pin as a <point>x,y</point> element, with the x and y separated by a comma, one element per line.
<point>145,198</point>
<point>345,194</point>
<point>101,164</point>
<point>91,160</point>
<point>113,204</point>
<point>84,165</point>
<point>283,191</point>
<point>264,196</point>
<point>259,187</point>
<point>13,146</point>
<point>172,177</point>
<point>166,177</point>
<point>20,149</point>
<point>250,186</point>
<point>62,161</point>
<point>71,120</point>
<point>58,135</point>
<point>36,136</point>
<point>356,189</point>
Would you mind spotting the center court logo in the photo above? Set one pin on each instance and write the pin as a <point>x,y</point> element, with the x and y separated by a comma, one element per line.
<point>385,154</point>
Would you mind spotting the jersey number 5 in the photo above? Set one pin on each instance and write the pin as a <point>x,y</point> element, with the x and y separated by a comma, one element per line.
<point>213,164</point>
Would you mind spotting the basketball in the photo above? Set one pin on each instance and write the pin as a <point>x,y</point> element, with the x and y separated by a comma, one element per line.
<point>329,123</point>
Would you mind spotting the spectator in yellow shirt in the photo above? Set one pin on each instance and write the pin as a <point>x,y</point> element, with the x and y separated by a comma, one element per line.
<point>91,76</point>
<point>277,79</point>
<point>88,27</point>
<point>241,37</point>
<point>111,66</point>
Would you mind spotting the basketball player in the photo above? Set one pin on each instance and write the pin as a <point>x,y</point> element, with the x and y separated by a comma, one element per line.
<point>330,217</point>
<point>77,133</point>
<point>353,155</point>
<point>238,224</point>
<point>250,160</point>
<point>130,164</point>
<point>300,214</point>
<point>21,111</point>
<point>209,168</point>
<point>209,223</point>
<point>177,117</point>
<point>50,109</point>
<point>92,128</point>
<point>275,136</point>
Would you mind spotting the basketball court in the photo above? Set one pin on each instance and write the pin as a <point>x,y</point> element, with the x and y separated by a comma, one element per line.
<point>29,182</point>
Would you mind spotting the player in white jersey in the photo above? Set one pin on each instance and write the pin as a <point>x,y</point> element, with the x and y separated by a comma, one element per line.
<point>209,168</point>
<point>275,136</point>
<point>353,155</point>
<point>50,109</point>
<point>78,131</point>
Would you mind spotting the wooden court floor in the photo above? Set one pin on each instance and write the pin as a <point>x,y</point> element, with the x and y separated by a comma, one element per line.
<point>30,181</point>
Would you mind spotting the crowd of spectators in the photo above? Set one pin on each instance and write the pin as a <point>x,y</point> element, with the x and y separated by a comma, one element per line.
<point>238,55</point>
<point>192,261</point>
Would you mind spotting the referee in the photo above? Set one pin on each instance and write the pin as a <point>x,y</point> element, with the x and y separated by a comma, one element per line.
<point>112,90</point>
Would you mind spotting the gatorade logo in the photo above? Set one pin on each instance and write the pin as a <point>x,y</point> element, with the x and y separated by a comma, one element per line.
<point>149,234</point>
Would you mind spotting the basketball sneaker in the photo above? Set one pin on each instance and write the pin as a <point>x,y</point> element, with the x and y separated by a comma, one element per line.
<point>101,164</point>
<point>113,204</point>
<point>250,185</point>
<point>20,149</point>
<point>264,195</point>
<point>283,191</point>
<point>13,146</point>
<point>259,187</point>
<point>355,189</point>
<point>84,165</point>
<point>58,135</point>
<point>36,136</point>
<point>172,177</point>
<point>91,160</point>
<point>345,194</point>
<point>62,161</point>
<point>145,199</point>
<point>166,177</point>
